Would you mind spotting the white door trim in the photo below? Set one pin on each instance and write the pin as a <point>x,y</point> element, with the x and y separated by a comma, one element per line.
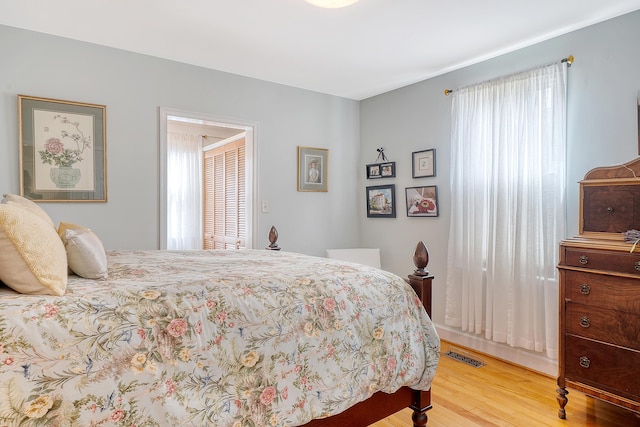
<point>251,156</point>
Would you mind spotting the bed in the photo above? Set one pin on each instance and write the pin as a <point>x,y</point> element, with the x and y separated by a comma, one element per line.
<point>217,338</point>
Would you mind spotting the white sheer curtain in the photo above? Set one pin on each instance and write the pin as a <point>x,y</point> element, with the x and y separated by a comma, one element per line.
<point>184,194</point>
<point>508,166</point>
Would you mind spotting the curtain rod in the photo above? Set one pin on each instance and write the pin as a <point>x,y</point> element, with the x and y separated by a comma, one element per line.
<point>568,60</point>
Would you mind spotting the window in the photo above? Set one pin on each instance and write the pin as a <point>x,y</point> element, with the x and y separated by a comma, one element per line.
<point>508,208</point>
<point>184,175</point>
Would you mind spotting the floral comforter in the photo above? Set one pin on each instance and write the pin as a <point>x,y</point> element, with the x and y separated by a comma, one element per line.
<point>211,338</point>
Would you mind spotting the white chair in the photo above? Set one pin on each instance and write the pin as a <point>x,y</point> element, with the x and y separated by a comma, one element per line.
<point>366,256</point>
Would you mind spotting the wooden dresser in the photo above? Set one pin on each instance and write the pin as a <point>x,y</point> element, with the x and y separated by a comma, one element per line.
<point>600,292</point>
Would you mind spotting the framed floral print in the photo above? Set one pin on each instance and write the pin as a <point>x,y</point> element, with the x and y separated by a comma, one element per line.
<point>62,150</point>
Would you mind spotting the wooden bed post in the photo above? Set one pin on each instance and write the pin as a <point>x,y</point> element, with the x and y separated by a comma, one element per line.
<point>421,282</point>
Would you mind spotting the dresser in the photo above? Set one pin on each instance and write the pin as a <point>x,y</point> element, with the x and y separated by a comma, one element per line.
<point>600,292</point>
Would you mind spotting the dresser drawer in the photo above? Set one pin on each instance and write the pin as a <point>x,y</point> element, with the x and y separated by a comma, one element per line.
<point>610,208</point>
<point>621,262</point>
<point>610,368</point>
<point>611,326</point>
<point>606,292</point>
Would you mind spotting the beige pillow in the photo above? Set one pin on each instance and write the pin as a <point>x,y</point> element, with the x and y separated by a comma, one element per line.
<point>85,253</point>
<point>29,205</point>
<point>32,257</point>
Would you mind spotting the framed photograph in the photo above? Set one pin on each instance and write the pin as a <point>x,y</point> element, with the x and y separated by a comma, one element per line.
<point>422,201</point>
<point>381,201</point>
<point>63,148</point>
<point>373,171</point>
<point>381,170</point>
<point>424,163</point>
<point>313,169</point>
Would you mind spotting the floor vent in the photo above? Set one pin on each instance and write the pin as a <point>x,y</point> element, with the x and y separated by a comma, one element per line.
<point>464,358</point>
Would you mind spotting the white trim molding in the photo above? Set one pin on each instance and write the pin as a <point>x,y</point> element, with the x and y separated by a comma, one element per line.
<point>528,359</point>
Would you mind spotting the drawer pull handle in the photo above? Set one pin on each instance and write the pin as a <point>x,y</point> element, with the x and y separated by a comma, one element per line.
<point>636,265</point>
<point>610,209</point>
<point>583,259</point>
<point>585,289</point>
<point>585,322</point>
<point>585,362</point>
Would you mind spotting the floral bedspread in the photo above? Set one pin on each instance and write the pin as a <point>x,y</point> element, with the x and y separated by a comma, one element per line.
<point>211,338</point>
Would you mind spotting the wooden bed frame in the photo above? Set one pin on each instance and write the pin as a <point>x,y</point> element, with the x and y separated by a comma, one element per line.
<point>382,405</point>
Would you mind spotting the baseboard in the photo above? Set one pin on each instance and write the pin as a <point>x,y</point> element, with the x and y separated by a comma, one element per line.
<point>527,359</point>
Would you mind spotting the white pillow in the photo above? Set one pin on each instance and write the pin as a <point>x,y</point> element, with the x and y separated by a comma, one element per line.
<point>32,257</point>
<point>29,205</point>
<point>85,251</point>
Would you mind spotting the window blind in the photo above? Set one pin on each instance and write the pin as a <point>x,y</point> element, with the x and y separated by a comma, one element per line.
<point>225,197</point>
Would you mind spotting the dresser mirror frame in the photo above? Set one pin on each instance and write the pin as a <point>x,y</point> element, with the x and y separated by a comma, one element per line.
<point>622,176</point>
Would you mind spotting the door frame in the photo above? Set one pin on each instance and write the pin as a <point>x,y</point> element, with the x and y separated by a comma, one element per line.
<point>251,165</point>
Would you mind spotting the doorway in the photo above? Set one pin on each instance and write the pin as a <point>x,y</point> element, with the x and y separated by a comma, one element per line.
<point>206,133</point>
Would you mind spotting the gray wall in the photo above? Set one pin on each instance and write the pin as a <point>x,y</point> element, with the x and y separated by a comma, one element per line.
<point>602,130</point>
<point>134,87</point>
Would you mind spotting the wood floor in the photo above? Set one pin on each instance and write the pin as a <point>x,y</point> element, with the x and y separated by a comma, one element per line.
<point>502,394</point>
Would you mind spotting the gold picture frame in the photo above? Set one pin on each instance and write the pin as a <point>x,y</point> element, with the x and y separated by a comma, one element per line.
<point>313,169</point>
<point>63,147</point>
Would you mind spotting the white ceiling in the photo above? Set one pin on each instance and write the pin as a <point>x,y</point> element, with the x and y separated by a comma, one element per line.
<point>356,52</point>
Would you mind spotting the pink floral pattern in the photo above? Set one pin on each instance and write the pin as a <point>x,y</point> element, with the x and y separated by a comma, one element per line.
<point>54,146</point>
<point>191,339</point>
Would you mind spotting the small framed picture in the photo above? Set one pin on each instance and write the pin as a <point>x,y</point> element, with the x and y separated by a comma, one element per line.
<point>381,201</point>
<point>313,169</point>
<point>373,171</point>
<point>424,163</point>
<point>381,170</point>
<point>422,201</point>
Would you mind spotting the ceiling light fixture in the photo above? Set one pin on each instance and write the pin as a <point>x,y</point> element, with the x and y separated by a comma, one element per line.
<point>331,4</point>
